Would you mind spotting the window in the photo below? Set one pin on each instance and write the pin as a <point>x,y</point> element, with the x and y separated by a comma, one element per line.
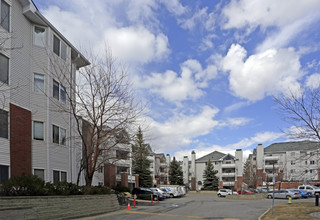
<point>59,92</point>
<point>58,135</point>
<point>293,163</point>
<point>62,136</point>
<point>312,162</point>
<point>63,176</point>
<point>292,171</point>
<point>39,36</point>
<point>55,89</point>
<point>4,173</point>
<point>306,171</point>
<point>56,45</point>
<point>59,48</point>
<point>56,177</point>
<point>4,69</point>
<point>38,84</point>
<point>5,15</point>
<point>100,169</point>
<point>62,94</point>
<point>310,171</point>
<point>3,124</point>
<point>312,153</point>
<point>38,130</point>
<point>39,173</point>
<point>55,134</point>
<point>306,162</point>
<point>63,51</point>
<point>216,163</point>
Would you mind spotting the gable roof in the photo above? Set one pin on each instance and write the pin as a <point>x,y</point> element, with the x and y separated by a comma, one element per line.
<point>292,146</point>
<point>214,156</point>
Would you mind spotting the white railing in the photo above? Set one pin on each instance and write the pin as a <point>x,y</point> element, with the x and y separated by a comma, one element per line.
<point>271,158</point>
<point>228,165</point>
<point>270,166</point>
<point>228,174</point>
<point>228,183</point>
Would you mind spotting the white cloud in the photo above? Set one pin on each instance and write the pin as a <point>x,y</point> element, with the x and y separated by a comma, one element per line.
<point>174,6</point>
<point>313,81</point>
<point>137,44</point>
<point>265,13</point>
<point>188,85</point>
<point>268,73</point>
<point>201,17</point>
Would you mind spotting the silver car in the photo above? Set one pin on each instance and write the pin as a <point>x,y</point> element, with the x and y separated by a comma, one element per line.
<point>285,194</point>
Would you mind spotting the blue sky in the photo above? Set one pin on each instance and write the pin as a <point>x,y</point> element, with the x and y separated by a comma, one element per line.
<point>206,69</point>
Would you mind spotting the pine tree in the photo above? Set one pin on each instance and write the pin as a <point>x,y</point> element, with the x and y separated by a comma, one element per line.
<point>211,181</point>
<point>141,163</point>
<point>175,175</point>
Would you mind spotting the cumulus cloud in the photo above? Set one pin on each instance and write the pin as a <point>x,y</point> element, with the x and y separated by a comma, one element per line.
<point>174,6</point>
<point>137,44</point>
<point>265,13</point>
<point>201,17</point>
<point>187,85</point>
<point>267,73</point>
<point>313,81</point>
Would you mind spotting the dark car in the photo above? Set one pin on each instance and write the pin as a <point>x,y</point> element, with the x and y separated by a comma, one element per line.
<point>143,193</point>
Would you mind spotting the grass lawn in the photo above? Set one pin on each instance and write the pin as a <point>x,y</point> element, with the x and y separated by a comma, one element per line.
<point>292,211</point>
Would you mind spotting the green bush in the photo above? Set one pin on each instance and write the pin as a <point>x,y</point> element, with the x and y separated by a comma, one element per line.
<point>34,186</point>
<point>23,186</point>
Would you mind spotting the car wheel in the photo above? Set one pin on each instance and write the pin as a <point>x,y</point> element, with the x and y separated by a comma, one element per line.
<point>269,196</point>
<point>287,197</point>
<point>219,195</point>
<point>171,195</point>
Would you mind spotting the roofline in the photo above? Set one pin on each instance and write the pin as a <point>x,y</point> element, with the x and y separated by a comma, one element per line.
<point>31,11</point>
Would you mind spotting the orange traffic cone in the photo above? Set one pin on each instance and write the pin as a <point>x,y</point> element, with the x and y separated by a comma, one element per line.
<point>128,206</point>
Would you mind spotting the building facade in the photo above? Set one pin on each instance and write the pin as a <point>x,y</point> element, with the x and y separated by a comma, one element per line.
<point>289,162</point>
<point>229,167</point>
<point>35,135</point>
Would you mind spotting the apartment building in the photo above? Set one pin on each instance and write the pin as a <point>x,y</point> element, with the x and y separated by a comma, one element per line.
<point>36,137</point>
<point>229,167</point>
<point>290,162</point>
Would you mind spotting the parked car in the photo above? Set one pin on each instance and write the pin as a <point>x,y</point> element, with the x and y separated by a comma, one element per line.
<point>285,194</point>
<point>310,188</point>
<point>305,194</point>
<point>161,194</point>
<point>261,190</point>
<point>173,191</point>
<point>230,192</point>
<point>222,193</point>
<point>245,192</point>
<point>143,193</point>
<point>166,191</point>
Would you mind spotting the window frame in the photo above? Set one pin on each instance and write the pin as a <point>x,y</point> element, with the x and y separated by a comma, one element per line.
<point>41,177</point>
<point>33,130</point>
<point>37,88</point>
<point>59,92</point>
<point>7,18</point>
<point>56,45</point>
<point>4,130</point>
<point>62,139</point>
<point>4,173</point>
<point>43,40</point>
<point>7,60</point>
<point>55,139</point>
<point>59,47</point>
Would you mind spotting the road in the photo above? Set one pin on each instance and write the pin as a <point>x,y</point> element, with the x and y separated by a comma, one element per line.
<point>196,206</point>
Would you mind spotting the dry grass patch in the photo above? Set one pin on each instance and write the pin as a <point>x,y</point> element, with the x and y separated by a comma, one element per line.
<point>256,196</point>
<point>286,211</point>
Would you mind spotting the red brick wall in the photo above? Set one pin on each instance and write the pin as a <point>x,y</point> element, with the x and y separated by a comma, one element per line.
<point>193,183</point>
<point>238,183</point>
<point>109,175</point>
<point>137,180</point>
<point>124,179</point>
<point>20,141</point>
<point>221,185</point>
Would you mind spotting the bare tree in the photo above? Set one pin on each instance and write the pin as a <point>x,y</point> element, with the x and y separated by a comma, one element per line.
<point>103,106</point>
<point>249,174</point>
<point>302,110</point>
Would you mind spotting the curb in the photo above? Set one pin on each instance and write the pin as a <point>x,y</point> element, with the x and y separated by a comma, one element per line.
<point>263,214</point>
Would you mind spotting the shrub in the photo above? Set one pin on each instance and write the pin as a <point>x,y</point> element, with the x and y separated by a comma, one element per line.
<point>23,186</point>
<point>121,189</point>
<point>93,190</point>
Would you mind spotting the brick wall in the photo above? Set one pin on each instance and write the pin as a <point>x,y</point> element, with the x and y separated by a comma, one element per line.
<point>124,179</point>
<point>110,175</point>
<point>20,141</point>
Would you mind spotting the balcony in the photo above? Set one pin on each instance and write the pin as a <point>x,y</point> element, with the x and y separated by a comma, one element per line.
<point>271,158</point>
<point>228,183</point>
<point>270,166</point>
<point>228,165</point>
<point>228,174</point>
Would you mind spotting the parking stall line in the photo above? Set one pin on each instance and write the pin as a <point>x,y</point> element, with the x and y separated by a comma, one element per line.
<point>163,214</point>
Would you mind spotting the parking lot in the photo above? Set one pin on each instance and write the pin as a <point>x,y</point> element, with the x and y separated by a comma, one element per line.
<point>198,206</point>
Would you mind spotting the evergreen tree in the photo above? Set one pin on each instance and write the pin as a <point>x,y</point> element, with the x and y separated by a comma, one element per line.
<point>141,164</point>
<point>175,175</point>
<point>211,181</point>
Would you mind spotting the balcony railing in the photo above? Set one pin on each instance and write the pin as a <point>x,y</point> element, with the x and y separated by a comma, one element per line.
<point>271,158</point>
<point>230,183</point>
<point>228,174</point>
<point>228,165</point>
<point>271,166</point>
